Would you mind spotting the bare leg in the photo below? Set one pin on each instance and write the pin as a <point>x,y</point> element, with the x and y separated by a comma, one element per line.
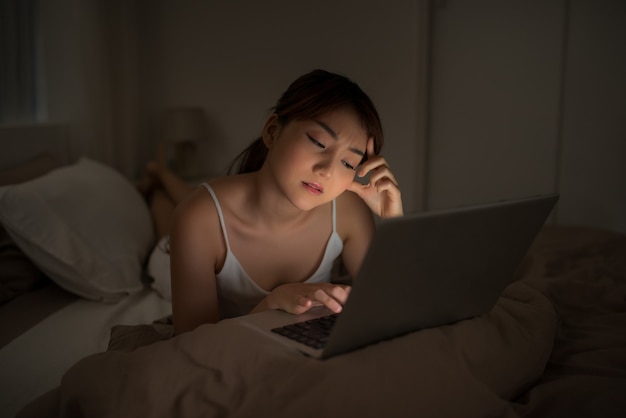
<point>173,185</point>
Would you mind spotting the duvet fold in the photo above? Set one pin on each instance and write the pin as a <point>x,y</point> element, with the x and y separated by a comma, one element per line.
<point>472,369</point>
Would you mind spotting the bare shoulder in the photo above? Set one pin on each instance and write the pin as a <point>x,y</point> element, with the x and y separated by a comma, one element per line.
<point>196,231</point>
<point>355,224</point>
<point>196,251</point>
<point>198,209</point>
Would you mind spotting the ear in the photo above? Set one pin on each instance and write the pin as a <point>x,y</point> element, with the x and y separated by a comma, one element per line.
<point>270,130</point>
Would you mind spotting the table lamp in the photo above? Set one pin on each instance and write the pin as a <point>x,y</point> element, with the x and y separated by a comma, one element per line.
<point>182,129</point>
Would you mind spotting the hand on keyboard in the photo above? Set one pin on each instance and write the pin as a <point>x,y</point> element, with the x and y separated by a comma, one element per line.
<point>297,298</point>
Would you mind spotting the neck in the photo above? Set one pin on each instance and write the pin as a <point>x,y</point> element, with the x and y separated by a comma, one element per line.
<point>270,206</point>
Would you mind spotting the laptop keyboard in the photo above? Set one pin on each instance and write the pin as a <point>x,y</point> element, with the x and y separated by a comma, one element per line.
<point>313,332</point>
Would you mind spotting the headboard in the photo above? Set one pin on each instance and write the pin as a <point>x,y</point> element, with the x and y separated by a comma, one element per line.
<point>20,143</point>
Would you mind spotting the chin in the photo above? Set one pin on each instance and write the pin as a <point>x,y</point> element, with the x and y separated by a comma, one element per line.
<point>307,203</point>
<point>303,205</point>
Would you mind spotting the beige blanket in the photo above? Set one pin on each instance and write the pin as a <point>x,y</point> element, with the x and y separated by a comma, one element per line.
<point>467,369</point>
<point>492,365</point>
<point>583,273</point>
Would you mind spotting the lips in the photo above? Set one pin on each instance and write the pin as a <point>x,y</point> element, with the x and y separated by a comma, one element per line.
<point>314,188</point>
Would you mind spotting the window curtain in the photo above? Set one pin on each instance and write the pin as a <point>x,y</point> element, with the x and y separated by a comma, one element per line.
<point>18,61</point>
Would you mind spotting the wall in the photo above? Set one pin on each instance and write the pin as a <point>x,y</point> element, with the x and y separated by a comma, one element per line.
<point>495,97</point>
<point>592,177</point>
<point>91,77</point>
<point>77,74</point>
<point>235,58</point>
<point>528,98</point>
<point>524,97</point>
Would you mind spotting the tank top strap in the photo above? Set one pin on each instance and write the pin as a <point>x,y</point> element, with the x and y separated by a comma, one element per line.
<point>220,214</point>
<point>334,215</point>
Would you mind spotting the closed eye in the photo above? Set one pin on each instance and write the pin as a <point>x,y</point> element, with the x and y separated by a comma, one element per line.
<point>315,141</point>
<point>322,146</point>
<point>348,165</point>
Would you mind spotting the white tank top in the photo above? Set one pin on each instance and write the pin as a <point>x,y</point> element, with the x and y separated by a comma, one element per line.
<point>238,294</point>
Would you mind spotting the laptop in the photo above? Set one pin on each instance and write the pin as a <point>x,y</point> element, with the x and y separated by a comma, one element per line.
<point>422,270</point>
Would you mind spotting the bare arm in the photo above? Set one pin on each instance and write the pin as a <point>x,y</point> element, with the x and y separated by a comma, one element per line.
<point>356,225</point>
<point>382,195</point>
<point>193,252</point>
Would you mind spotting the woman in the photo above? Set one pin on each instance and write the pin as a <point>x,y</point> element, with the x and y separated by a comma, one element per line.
<point>267,237</point>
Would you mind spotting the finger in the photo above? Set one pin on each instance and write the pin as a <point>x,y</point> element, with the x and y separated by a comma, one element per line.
<point>371,164</point>
<point>328,301</point>
<point>357,188</point>
<point>378,169</point>
<point>386,185</point>
<point>383,174</point>
<point>340,294</point>
<point>302,305</point>
<point>304,301</point>
<point>392,206</point>
<point>371,153</point>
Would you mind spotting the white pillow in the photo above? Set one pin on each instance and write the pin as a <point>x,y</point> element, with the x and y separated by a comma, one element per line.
<point>85,226</point>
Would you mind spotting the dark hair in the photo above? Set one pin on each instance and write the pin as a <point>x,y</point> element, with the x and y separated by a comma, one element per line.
<point>308,97</point>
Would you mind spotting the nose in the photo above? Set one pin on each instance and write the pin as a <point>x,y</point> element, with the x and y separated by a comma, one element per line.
<point>323,167</point>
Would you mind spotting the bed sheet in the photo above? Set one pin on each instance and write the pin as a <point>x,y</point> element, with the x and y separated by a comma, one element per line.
<point>28,309</point>
<point>34,362</point>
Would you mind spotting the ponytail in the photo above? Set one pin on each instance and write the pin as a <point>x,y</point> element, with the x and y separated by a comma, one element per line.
<point>250,159</point>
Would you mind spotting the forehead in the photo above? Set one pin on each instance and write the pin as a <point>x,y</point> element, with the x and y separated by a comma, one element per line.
<point>342,124</point>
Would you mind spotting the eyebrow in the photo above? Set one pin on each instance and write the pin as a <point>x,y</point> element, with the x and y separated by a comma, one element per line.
<point>334,135</point>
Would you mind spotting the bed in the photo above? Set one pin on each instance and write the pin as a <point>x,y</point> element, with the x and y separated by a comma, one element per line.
<point>554,345</point>
<point>59,294</point>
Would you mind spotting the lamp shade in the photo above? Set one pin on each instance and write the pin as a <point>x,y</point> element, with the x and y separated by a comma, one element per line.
<point>184,124</point>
